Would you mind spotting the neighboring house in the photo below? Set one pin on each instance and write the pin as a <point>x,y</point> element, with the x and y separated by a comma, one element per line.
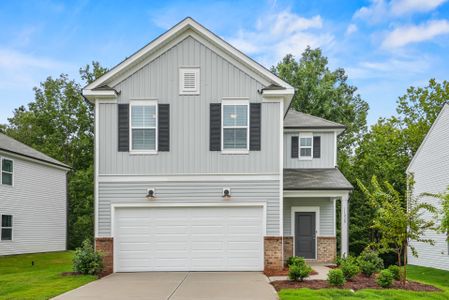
<point>33,200</point>
<point>430,169</point>
<point>196,168</point>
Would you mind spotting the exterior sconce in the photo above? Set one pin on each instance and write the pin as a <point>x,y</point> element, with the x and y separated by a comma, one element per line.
<point>150,194</point>
<point>226,193</point>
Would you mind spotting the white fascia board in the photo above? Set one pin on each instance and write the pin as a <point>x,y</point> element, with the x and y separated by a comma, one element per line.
<point>188,23</point>
<point>317,193</point>
<point>93,95</point>
<point>443,110</point>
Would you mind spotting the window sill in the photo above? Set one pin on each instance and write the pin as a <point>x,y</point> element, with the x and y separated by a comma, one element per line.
<point>305,158</point>
<point>235,152</point>
<point>142,152</point>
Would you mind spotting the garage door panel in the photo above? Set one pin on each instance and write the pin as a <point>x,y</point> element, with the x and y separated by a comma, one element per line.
<point>188,239</point>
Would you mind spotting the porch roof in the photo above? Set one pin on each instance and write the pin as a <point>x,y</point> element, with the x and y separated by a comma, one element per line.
<point>315,179</point>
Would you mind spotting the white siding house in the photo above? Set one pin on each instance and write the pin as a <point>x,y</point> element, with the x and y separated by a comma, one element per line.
<point>33,200</point>
<point>430,167</point>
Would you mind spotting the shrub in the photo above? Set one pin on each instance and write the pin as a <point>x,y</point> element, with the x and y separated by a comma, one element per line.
<point>295,261</point>
<point>395,271</point>
<point>385,278</point>
<point>370,263</point>
<point>87,260</point>
<point>349,268</point>
<point>336,278</point>
<point>299,271</point>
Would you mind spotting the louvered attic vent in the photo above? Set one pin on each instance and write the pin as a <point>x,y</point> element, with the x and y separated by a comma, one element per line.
<point>189,81</point>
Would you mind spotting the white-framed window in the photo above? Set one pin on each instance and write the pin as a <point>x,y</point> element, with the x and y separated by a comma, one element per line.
<point>7,169</point>
<point>305,146</point>
<point>143,117</point>
<point>235,126</point>
<point>189,81</point>
<point>6,229</point>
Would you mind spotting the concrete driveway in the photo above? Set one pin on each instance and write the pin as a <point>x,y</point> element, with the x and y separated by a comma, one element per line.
<point>177,286</point>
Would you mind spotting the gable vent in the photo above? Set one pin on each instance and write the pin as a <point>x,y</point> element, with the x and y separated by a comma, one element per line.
<point>189,81</point>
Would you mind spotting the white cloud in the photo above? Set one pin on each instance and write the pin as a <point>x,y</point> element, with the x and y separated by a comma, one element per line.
<point>281,33</point>
<point>381,10</point>
<point>404,35</point>
<point>352,28</point>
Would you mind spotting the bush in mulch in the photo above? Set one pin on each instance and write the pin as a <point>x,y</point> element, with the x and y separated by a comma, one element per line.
<point>359,282</point>
<point>283,272</point>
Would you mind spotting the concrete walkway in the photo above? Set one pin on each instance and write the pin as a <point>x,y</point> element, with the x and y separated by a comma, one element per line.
<point>177,286</point>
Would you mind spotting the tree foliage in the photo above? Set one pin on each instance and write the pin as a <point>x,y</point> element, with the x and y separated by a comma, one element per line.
<point>59,123</point>
<point>443,226</point>
<point>395,224</point>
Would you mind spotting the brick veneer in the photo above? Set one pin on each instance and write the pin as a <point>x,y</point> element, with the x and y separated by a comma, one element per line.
<point>327,249</point>
<point>106,246</point>
<point>273,253</point>
<point>288,248</point>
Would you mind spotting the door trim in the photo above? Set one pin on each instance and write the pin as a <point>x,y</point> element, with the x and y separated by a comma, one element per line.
<point>316,210</point>
<point>114,206</point>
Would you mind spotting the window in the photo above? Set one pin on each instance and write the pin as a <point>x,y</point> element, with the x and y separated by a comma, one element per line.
<point>6,228</point>
<point>7,171</point>
<point>189,81</point>
<point>235,121</point>
<point>143,129</point>
<point>305,147</point>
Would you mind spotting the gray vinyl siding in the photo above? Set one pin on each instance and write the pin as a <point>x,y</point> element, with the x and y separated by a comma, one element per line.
<point>189,192</point>
<point>430,168</point>
<point>327,152</point>
<point>189,146</point>
<point>327,222</point>
<point>189,117</point>
<point>37,202</point>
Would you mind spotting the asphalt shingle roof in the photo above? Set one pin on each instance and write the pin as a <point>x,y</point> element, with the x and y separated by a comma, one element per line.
<point>9,144</point>
<point>315,179</point>
<point>298,120</point>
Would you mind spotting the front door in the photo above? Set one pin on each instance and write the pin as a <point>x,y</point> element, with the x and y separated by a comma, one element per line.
<point>305,232</point>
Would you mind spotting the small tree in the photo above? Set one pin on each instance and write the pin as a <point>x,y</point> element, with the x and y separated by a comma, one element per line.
<point>395,223</point>
<point>444,211</point>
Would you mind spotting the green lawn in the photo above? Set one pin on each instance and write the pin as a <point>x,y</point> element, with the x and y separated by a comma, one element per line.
<point>434,277</point>
<point>20,280</point>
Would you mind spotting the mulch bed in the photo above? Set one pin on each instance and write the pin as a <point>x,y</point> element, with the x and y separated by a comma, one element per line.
<point>283,272</point>
<point>358,283</point>
<point>71,274</point>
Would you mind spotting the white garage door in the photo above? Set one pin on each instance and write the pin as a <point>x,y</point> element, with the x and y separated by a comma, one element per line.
<point>188,239</point>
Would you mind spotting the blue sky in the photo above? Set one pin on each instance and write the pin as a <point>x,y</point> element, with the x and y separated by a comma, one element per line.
<point>385,46</point>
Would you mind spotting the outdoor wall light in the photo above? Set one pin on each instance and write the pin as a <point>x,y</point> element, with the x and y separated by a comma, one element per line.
<point>226,193</point>
<point>150,194</point>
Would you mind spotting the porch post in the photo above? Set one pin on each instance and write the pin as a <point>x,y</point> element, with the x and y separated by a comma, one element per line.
<point>344,225</point>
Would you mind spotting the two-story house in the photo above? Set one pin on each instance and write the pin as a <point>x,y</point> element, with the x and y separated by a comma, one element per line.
<point>33,200</point>
<point>200,165</point>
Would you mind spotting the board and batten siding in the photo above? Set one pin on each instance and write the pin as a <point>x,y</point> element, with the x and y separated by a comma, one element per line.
<point>431,172</point>
<point>189,117</point>
<point>37,202</point>
<point>326,159</point>
<point>326,205</point>
<point>179,192</point>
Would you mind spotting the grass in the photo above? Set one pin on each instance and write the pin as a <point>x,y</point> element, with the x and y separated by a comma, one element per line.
<point>19,279</point>
<point>431,276</point>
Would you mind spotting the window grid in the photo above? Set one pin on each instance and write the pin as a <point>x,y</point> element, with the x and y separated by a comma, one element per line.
<point>305,147</point>
<point>6,227</point>
<point>235,104</point>
<point>7,176</point>
<point>148,124</point>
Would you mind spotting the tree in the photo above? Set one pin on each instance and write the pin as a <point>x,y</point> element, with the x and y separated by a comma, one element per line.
<point>59,123</point>
<point>326,94</point>
<point>443,227</point>
<point>395,224</point>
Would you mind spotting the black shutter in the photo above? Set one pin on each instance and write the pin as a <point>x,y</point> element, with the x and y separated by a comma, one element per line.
<point>295,146</point>
<point>255,113</point>
<point>215,127</point>
<point>123,127</point>
<point>163,127</point>
<point>316,147</point>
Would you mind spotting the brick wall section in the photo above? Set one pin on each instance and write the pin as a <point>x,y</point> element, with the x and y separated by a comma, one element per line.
<point>327,249</point>
<point>106,247</point>
<point>288,248</point>
<point>273,253</point>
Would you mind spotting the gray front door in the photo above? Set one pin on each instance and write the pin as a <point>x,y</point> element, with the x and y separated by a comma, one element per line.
<point>305,234</point>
